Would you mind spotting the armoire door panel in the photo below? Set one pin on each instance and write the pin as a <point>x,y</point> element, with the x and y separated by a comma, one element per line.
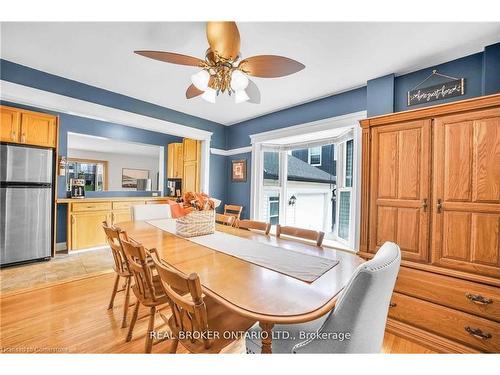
<point>408,165</point>
<point>400,173</point>
<point>466,192</point>
<point>387,176</point>
<point>457,167</point>
<point>456,228</point>
<point>485,239</point>
<point>408,229</point>
<point>387,224</point>
<point>487,161</point>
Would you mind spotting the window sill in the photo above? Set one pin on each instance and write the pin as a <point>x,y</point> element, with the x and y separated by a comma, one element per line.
<point>332,244</point>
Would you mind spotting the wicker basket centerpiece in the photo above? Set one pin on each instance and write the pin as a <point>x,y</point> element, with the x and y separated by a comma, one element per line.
<point>198,217</point>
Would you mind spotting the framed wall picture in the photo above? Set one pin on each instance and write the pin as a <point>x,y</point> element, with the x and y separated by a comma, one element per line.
<point>130,177</point>
<point>239,170</point>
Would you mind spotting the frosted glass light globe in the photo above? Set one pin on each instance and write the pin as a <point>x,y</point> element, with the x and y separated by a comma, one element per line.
<point>240,96</point>
<point>200,80</point>
<point>239,81</point>
<point>209,95</point>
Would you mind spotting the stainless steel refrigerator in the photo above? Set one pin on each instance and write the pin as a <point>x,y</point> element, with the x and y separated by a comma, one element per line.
<point>26,203</point>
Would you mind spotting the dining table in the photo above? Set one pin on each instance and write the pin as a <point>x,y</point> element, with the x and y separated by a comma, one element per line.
<point>254,291</point>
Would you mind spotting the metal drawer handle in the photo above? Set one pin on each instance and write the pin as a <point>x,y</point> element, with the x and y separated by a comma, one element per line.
<point>478,299</point>
<point>476,332</point>
<point>392,304</point>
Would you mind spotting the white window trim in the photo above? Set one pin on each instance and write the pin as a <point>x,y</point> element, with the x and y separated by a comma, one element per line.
<point>269,207</point>
<point>320,156</point>
<point>341,177</point>
<point>258,142</point>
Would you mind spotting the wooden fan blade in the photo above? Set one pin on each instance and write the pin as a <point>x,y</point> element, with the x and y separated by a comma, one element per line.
<point>270,66</point>
<point>192,92</point>
<point>253,92</point>
<point>224,39</point>
<point>171,57</point>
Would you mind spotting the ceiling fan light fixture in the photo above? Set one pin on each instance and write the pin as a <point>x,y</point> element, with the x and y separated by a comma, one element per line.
<point>239,81</point>
<point>209,95</point>
<point>200,80</point>
<point>240,96</point>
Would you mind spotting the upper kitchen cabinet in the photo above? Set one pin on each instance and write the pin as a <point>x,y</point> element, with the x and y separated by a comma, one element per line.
<point>27,127</point>
<point>9,131</point>
<point>192,161</point>
<point>38,129</point>
<point>175,160</point>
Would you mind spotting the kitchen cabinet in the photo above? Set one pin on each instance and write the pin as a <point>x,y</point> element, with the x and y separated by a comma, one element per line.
<point>174,160</point>
<point>28,127</point>
<point>11,123</point>
<point>191,165</point>
<point>86,229</point>
<point>85,217</point>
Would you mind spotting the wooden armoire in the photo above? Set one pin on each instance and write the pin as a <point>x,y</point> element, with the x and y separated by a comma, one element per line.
<point>431,184</point>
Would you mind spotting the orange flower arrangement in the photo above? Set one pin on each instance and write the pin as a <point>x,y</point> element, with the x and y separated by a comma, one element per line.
<point>192,201</point>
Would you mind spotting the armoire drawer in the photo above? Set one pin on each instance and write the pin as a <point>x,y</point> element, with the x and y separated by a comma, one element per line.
<point>473,331</point>
<point>471,297</point>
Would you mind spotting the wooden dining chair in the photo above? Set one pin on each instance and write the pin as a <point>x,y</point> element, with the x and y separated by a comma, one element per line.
<point>306,234</point>
<point>197,315</point>
<point>120,266</point>
<point>254,225</point>
<point>224,219</point>
<point>233,210</point>
<point>147,287</point>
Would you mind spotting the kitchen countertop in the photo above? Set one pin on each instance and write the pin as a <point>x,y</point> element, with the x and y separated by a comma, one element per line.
<point>104,199</point>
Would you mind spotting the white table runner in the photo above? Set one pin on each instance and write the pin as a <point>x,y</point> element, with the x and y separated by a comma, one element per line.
<point>301,266</point>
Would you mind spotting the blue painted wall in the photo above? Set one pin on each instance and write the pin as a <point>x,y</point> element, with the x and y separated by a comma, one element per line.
<point>23,75</point>
<point>218,178</point>
<point>469,67</point>
<point>491,69</point>
<point>239,192</point>
<point>335,105</point>
<point>380,95</point>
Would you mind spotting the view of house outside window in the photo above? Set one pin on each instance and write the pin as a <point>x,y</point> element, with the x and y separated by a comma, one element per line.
<point>314,197</point>
<point>315,154</point>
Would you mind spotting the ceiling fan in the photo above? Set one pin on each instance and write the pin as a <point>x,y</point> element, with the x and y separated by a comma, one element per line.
<point>223,70</point>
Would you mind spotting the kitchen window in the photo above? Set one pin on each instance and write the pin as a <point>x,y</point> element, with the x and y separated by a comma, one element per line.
<point>94,172</point>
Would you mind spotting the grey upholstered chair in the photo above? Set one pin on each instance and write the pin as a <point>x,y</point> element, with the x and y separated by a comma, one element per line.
<point>150,212</point>
<point>360,311</point>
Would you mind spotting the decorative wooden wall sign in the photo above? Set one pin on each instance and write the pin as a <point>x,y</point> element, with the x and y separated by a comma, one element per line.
<point>450,89</point>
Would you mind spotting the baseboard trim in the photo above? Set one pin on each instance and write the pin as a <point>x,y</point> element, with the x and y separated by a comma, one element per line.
<point>61,246</point>
<point>429,340</point>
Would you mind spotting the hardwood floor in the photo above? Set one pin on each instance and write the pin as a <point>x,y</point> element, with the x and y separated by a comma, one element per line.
<point>72,318</point>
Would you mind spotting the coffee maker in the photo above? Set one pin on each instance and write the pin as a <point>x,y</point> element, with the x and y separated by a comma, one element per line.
<point>77,186</point>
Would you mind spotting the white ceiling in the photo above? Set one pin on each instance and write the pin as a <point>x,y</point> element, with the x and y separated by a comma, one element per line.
<point>338,57</point>
<point>110,146</point>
